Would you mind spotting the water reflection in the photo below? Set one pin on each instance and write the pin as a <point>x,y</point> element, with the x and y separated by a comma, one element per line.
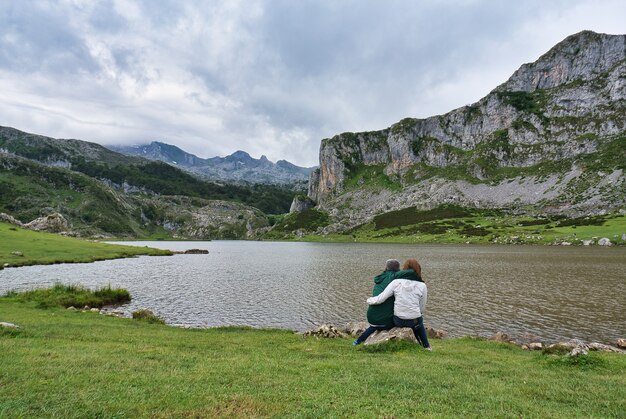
<point>554,293</point>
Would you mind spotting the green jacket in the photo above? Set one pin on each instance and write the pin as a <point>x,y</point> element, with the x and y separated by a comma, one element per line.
<point>382,314</point>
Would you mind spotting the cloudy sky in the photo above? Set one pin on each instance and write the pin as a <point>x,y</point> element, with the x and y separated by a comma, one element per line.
<point>269,77</point>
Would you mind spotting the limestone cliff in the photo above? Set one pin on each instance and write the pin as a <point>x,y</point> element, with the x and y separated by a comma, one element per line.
<point>551,137</point>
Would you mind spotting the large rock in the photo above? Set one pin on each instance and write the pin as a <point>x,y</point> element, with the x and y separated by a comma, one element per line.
<point>301,203</point>
<point>53,223</point>
<point>397,333</point>
<point>621,343</point>
<point>604,242</point>
<point>10,219</point>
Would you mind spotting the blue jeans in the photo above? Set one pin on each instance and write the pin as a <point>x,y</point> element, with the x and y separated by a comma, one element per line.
<point>417,325</point>
<point>371,329</point>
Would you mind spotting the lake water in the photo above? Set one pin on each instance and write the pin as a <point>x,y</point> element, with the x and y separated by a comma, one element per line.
<point>529,292</point>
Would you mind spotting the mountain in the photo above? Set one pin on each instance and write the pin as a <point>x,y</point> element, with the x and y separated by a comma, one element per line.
<point>238,167</point>
<point>100,191</point>
<point>550,140</point>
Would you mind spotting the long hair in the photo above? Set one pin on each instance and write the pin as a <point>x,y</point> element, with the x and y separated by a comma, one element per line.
<point>413,264</point>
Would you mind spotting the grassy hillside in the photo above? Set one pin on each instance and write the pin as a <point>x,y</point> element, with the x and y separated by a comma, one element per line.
<point>70,364</point>
<point>453,224</point>
<point>21,247</point>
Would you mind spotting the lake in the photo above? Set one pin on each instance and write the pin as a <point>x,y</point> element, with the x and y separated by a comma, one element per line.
<point>529,292</point>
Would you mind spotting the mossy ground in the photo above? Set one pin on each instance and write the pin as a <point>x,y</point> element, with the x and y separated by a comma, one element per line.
<point>70,364</point>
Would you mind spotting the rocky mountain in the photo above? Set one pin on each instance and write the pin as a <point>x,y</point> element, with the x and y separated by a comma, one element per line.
<point>237,167</point>
<point>551,139</point>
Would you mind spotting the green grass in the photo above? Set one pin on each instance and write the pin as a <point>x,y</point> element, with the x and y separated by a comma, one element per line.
<point>451,224</point>
<point>72,296</point>
<point>21,247</point>
<point>70,364</point>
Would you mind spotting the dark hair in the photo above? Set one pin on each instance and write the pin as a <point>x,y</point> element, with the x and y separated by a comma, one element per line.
<point>413,264</point>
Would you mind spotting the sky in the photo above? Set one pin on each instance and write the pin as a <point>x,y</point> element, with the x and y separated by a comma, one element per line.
<point>270,77</point>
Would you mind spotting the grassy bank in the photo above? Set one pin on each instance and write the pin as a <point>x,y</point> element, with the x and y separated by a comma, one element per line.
<point>64,363</point>
<point>451,224</point>
<point>22,247</point>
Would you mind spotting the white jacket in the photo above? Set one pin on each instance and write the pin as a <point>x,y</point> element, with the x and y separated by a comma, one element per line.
<point>410,298</point>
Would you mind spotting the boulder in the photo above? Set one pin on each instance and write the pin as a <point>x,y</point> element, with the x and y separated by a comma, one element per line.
<point>9,325</point>
<point>535,346</point>
<point>600,347</point>
<point>580,350</point>
<point>325,331</point>
<point>435,334</point>
<point>621,343</point>
<point>397,333</point>
<point>54,223</point>
<point>604,242</point>
<point>10,219</point>
<point>356,328</point>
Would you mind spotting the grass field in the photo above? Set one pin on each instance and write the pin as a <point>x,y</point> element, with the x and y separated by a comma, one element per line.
<point>21,247</point>
<point>64,363</point>
<point>481,227</point>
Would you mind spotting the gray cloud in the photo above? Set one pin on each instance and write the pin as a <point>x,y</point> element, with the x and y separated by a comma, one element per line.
<point>269,77</point>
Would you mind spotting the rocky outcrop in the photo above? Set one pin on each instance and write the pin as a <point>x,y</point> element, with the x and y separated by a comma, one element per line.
<point>301,203</point>
<point>500,151</point>
<point>53,223</point>
<point>10,219</point>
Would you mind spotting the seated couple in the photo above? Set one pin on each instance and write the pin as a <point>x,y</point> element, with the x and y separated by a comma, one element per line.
<point>398,300</point>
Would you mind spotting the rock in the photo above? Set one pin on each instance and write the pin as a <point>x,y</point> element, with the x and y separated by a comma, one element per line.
<point>71,308</point>
<point>566,244</point>
<point>10,219</point>
<point>525,347</point>
<point>397,333</point>
<point>54,223</point>
<point>325,331</point>
<point>579,350</point>
<point>356,328</point>
<point>621,343</point>
<point>435,334</point>
<point>87,308</point>
<point>196,252</point>
<point>535,346</point>
<point>95,310</point>
<point>6,265</point>
<point>9,325</point>
<point>301,203</point>
<point>600,347</point>
<point>587,242</point>
<point>604,242</point>
<point>17,253</point>
<point>501,337</point>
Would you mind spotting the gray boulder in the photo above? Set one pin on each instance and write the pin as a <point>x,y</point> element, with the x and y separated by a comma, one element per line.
<point>604,242</point>
<point>9,325</point>
<point>53,223</point>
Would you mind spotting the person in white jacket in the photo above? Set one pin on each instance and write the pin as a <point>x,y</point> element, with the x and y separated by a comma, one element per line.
<point>410,303</point>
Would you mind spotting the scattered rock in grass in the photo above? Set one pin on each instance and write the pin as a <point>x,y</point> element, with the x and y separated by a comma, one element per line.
<point>621,343</point>
<point>325,331</point>
<point>435,334</point>
<point>355,328</point>
<point>501,337</point>
<point>595,346</point>
<point>71,308</point>
<point>580,350</point>
<point>6,265</point>
<point>587,242</point>
<point>535,346</point>
<point>17,253</point>
<point>95,310</point>
<point>9,325</point>
<point>604,242</point>
<point>86,308</point>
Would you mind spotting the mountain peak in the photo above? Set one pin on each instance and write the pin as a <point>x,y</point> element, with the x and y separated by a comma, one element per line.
<point>582,56</point>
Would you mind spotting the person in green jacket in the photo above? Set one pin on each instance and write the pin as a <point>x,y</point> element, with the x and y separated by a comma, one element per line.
<point>380,317</point>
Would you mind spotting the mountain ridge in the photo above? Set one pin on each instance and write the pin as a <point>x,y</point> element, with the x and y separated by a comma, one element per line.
<point>238,166</point>
<point>537,148</point>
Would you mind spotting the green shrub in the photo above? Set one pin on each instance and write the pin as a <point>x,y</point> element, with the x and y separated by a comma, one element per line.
<point>147,316</point>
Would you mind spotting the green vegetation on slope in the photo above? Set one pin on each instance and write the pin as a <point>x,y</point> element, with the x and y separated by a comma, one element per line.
<point>21,247</point>
<point>308,220</point>
<point>72,296</point>
<point>69,364</point>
